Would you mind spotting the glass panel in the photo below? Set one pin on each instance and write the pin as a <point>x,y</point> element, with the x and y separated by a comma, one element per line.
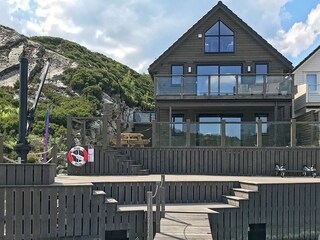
<point>278,135</point>
<point>227,85</point>
<point>211,44</point>
<point>190,85</point>
<point>165,88</point>
<point>312,82</point>
<point>144,116</point>
<point>203,81</point>
<point>176,70</point>
<point>214,30</point>
<point>248,134</point>
<point>224,30</point>
<point>208,131</point>
<point>214,85</point>
<point>177,127</point>
<point>308,134</point>
<point>226,44</point>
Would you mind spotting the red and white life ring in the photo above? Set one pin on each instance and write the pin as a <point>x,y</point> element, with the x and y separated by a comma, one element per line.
<point>78,156</point>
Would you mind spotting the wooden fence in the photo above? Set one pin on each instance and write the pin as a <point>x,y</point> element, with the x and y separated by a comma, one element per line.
<point>223,161</point>
<point>202,161</point>
<point>27,174</point>
<point>59,212</point>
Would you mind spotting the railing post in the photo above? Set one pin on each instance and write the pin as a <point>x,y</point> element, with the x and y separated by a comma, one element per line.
<point>118,122</point>
<point>237,85</point>
<point>105,140</point>
<point>259,133</point>
<point>158,201</point>
<point>223,133</point>
<point>264,85</point>
<point>209,85</point>
<point>69,132</point>
<point>293,134</point>
<point>154,133</point>
<point>54,153</point>
<point>149,216</point>
<point>1,149</point>
<point>188,133</point>
<point>163,196</point>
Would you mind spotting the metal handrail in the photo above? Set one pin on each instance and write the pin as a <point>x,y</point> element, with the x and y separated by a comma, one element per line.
<point>160,207</point>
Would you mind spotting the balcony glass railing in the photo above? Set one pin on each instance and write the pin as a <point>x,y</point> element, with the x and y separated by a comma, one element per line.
<point>223,85</point>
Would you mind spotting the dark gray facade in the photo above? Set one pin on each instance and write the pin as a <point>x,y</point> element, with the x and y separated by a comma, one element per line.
<point>241,93</point>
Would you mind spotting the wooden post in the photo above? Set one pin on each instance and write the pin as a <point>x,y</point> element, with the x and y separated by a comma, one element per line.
<point>293,135</point>
<point>105,140</point>
<point>259,133</point>
<point>158,201</point>
<point>1,149</point>
<point>170,125</point>
<point>236,92</point>
<point>188,133</point>
<point>154,133</point>
<point>54,154</point>
<point>223,133</point>
<point>163,195</point>
<point>69,132</point>
<point>118,132</point>
<point>149,216</point>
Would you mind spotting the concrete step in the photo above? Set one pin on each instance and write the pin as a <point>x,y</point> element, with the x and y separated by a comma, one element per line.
<point>233,200</point>
<point>243,192</point>
<point>249,186</point>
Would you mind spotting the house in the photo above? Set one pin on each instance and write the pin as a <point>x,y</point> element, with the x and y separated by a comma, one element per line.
<point>307,78</point>
<point>221,69</point>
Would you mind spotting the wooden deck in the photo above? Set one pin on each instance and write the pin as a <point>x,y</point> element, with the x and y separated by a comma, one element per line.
<point>184,226</point>
<point>79,180</point>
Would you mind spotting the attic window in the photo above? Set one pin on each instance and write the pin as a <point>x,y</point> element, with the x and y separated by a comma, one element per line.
<point>219,39</point>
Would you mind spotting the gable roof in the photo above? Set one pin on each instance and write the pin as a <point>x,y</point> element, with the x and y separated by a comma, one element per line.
<point>234,17</point>
<point>306,58</point>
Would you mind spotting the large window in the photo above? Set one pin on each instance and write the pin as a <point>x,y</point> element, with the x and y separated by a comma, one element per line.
<point>219,38</point>
<point>312,82</point>
<point>210,83</point>
<point>176,72</point>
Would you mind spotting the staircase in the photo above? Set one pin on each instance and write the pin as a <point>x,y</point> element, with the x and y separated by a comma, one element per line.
<point>128,166</point>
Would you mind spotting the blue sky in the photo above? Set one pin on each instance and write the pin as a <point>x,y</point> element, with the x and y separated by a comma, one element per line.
<point>136,32</point>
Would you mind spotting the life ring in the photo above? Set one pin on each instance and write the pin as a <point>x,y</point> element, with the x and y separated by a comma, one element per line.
<point>78,156</point>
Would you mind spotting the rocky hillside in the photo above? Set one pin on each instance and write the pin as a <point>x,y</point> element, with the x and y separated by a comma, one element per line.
<point>79,83</point>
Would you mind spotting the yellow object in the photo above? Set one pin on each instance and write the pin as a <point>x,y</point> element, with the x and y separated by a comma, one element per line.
<point>132,139</point>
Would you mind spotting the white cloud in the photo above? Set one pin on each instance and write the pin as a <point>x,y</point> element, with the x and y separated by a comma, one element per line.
<point>300,36</point>
<point>52,15</point>
<point>135,32</point>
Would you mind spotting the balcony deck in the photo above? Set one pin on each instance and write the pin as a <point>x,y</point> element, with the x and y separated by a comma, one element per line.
<point>172,87</point>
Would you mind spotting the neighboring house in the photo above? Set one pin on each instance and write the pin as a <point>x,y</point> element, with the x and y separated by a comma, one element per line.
<point>221,69</point>
<point>307,79</point>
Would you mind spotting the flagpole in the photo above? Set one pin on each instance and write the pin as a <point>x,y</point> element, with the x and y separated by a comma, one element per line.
<point>46,136</point>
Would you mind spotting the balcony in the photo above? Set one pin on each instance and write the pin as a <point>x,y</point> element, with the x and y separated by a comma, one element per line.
<point>223,86</point>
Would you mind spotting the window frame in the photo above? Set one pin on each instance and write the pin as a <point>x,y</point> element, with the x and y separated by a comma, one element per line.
<point>174,131</point>
<point>219,36</point>
<point>260,75</point>
<point>316,80</point>
<point>176,76</point>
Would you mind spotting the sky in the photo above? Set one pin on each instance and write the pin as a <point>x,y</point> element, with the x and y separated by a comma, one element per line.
<point>136,32</point>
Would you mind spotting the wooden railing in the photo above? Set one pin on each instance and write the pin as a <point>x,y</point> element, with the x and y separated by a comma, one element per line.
<point>159,195</point>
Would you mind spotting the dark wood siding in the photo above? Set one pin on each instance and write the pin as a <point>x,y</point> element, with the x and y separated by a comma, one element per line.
<point>247,49</point>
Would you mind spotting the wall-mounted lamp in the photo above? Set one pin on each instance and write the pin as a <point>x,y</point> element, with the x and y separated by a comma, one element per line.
<point>199,35</point>
<point>189,69</point>
<point>249,68</point>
